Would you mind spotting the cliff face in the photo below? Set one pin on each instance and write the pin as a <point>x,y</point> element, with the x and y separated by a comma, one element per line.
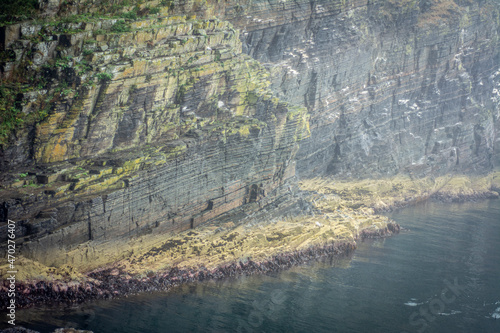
<point>123,117</point>
<point>153,125</point>
<point>391,86</point>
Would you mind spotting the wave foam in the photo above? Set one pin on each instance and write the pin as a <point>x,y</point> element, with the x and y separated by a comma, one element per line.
<point>412,303</point>
<point>453,312</point>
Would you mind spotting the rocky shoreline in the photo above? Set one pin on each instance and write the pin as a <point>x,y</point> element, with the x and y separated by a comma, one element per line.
<point>446,197</point>
<point>341,214</point>
<point>385,195</point>
<point>116,282</point>
<point>443,197</point>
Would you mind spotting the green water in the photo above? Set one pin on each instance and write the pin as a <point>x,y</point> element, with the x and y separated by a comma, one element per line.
<point>442,275</point>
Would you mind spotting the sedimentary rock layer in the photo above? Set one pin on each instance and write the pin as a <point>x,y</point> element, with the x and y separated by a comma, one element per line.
<point>392,86</point>
<point>153,125</point>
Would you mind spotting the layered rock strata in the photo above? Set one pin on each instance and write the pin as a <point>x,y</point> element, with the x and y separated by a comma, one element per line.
<point>392,86</point>
<point>153,125</point>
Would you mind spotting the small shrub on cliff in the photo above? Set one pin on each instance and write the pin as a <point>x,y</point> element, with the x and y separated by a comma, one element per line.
<point>120,26</point>
<point>104,77</point>
<point>17,9</point>
<point>130,15</point>
<point>10,115</point>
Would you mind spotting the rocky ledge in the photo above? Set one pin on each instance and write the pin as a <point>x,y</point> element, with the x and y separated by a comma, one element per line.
<point>330,216</point>
<point>261,242</point>
<point>116,281</point>
<point>387,194</point>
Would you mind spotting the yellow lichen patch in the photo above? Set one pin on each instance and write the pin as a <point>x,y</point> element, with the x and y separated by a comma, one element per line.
<point>210,245</point>
<point>104,183</point>
<point>32,270</point>
<point>303,130</point>
<point>214,245</point>
<point>244,130</point>
<point>139,66</point>
<point>57,153</point>
<point>398,191</point>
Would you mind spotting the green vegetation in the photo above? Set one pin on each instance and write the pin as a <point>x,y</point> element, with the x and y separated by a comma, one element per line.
<point>14,10</point>
<point>66,92</point>
<point>73,19</point>
<point>120,26</point>
<point>32,185</point>
<point>62,62</point>
<point>40,37</point>
<point>99,32</point>
<point>154,10</point>
<point>103,77</point>
<point>10,114</point>
<point>132,15</point>
<point>17,10</point>
<point>24,80</point>
<point>83,67</point>
<point>7,56</point>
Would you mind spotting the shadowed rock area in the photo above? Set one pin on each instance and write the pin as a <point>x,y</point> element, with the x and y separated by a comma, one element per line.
<point>392,86</point>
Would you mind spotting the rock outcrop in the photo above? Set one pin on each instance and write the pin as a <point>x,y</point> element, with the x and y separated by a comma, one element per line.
<point>151,125</point>
<point>121,118</point>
